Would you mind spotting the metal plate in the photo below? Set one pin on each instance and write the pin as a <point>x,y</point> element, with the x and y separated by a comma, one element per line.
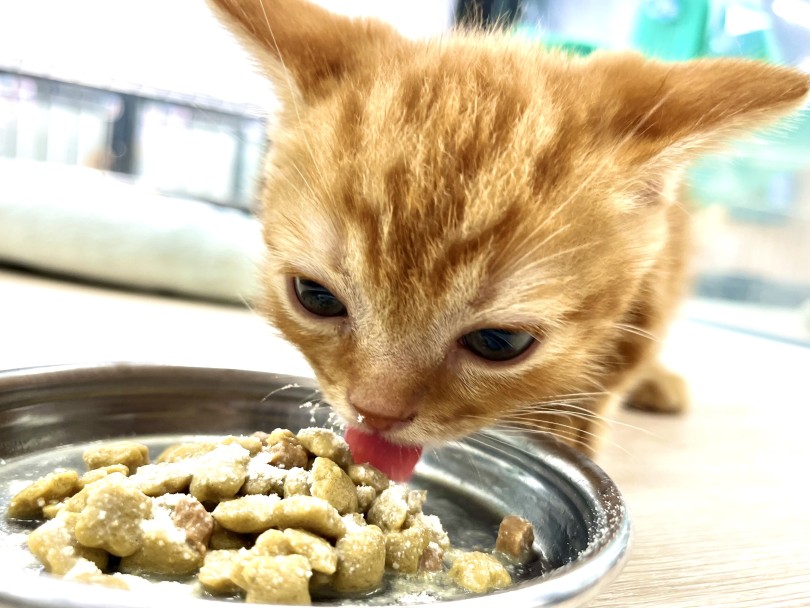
<point>47,415</point>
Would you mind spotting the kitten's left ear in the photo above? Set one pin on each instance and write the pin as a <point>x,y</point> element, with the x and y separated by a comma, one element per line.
<point>299,39</point>
<point>657,110</point>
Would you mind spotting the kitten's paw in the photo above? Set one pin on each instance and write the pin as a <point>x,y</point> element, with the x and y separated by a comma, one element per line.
<point>659,390</point>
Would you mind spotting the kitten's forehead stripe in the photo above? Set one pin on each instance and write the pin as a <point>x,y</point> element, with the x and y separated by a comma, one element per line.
<point>441,153</point>
<point>442,177</point>
<point>351,119</point>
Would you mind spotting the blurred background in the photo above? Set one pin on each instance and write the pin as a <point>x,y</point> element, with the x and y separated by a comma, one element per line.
<point>131,133</point>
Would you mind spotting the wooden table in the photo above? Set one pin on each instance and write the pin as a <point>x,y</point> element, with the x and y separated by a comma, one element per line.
<point>720,497</point>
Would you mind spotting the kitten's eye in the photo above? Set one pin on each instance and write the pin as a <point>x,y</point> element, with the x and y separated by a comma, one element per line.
<point>497,344</point>
<point>317,299</point>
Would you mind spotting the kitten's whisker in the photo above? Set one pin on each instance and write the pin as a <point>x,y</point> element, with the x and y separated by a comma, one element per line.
<point>498,438</point>
<point>529,252</point>
<point>547,433</point>
<point>250,305</point>
<point>576,395</point>
<point>466,449</point>
<point>562,398</point>
<point>312,194</point>
<point>570,396</point>
<point>561,433</point>
<point>567,414</point>
<point>293,92</point>
<point>550,408</point>
<point>539,408</point>
<point>527,412</point>
<point>533,408</point>
<point>534,423</point>
<point>278,390</point>
<point>598,424</point>
<point>643,123</point>
<point>529,262</point>
<point>568,432</point>
<point>614,422</point>
<point>538,264</point>
<point>480,441</point>
<point>632,329</point>
<point>294,186</point>
<point>602,422</point>
<point>528,424</point>
<point>306,183</point>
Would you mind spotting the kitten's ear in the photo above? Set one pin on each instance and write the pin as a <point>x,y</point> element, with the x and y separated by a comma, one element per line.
<point>316,47</point>
<point>674,110</point>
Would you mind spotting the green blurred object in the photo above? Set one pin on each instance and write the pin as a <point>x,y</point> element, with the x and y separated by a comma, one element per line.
<point>741,28</point>
<point>573,47</point>
<point>674,30</point>
<point>677,30</point>
<point>751,189</point>
<point>755,180</point>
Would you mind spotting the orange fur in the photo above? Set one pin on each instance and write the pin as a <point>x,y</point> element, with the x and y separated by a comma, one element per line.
<point>437,187</point>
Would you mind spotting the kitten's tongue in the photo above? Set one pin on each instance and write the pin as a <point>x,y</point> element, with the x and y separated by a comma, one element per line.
<point>395,460</point>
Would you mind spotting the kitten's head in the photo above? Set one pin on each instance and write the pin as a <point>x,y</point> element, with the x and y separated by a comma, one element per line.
<point>455,228</point>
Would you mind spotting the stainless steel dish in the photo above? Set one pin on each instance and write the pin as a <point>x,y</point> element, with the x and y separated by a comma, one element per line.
<point>48,414</point>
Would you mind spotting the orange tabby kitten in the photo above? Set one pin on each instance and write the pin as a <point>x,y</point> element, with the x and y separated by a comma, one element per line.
<point>471,230</point>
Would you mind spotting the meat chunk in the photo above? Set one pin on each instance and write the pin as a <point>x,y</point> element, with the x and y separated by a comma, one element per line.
<point>189,515</point>
<point>515,538</point>
<point>288,453</point>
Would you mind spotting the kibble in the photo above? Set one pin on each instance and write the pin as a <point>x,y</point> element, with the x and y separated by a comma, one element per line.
<point>271,517</point>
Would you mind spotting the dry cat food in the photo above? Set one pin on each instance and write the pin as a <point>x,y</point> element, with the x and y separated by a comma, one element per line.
<point>273,518</point>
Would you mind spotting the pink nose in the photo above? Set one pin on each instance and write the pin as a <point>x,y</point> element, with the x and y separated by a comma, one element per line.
<point>384,422</point>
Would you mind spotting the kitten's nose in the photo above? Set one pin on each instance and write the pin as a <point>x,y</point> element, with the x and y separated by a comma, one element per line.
<point>388,421</point>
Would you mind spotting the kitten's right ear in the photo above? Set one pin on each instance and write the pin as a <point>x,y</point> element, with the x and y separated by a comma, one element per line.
<point>294,37</point>
<point>654,111</point>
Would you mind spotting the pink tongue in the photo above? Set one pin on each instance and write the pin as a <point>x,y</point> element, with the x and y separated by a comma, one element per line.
<point>395,460</point>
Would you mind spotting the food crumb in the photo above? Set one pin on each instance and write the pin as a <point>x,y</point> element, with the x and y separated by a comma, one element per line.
<point>422,597</point>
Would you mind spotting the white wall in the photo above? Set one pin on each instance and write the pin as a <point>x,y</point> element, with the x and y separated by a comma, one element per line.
<point>414,18</point>
<point>168,45</point>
